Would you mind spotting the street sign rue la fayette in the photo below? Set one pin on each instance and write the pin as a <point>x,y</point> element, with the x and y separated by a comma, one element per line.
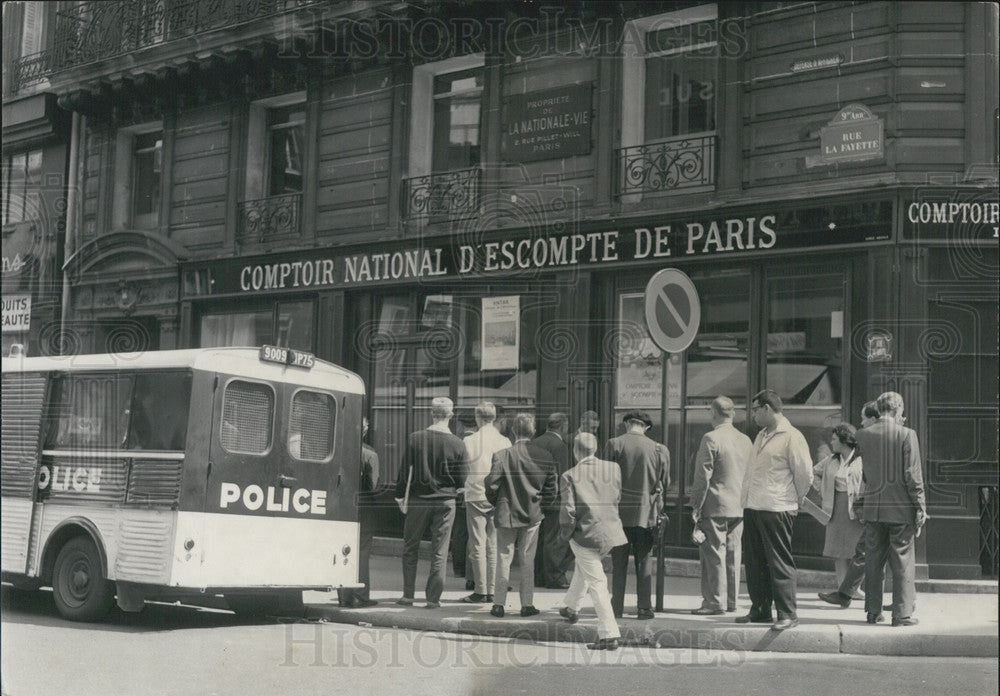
<point>673,310</point>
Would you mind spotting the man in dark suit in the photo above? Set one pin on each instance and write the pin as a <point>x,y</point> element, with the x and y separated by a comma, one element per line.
<point>644,468</point>
<point>553,560</point>
<point>894,509</point>
<point>520,485</point>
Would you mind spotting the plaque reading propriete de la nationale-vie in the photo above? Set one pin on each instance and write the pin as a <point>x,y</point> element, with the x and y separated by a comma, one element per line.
<point>548,124</point>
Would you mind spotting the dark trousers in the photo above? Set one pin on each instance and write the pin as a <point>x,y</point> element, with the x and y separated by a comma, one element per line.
<point>438,514</point>
<point>459,541</point>
<point>640,544</point>
<point>553,558</point>
<point>366,524</point>
<point>770,566</point>
<point>855,574</point>
<point>892,542</point>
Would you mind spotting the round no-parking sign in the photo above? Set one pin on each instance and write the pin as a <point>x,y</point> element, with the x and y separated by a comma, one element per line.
<point>673,311</point>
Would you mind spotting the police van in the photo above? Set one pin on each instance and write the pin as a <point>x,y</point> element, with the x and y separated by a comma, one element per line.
<point>166,474</point>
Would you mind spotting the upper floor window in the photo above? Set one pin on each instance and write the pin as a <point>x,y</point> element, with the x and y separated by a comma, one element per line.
<point>21,176</point>
<point>457,99</point>
<point>680,80</point>
<point>670,65</point>
<point>138,177</point>
<point>147,166</point>
<point>670,83</point>
<point>445,115</point>
<point>286,126</point>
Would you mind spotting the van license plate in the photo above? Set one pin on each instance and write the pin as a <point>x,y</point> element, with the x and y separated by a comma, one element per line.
<point>287,356</point>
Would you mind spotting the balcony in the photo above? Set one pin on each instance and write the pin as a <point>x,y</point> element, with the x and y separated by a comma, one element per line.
<point>29,70</point>
<point>445,195</point>
<point>678,163</point>
<point>271,219</point>
<point>94,31</point>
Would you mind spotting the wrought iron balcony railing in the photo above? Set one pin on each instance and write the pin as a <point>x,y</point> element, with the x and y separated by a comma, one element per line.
<point>29,70</point>
<point>678,163</point>
<point>92,31</point>
<point>446,195</point>
<point>269,219</point>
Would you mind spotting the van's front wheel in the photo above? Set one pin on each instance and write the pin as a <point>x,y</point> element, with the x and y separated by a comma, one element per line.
<point>80,590</point>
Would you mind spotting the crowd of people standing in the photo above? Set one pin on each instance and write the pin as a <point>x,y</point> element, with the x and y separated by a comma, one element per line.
<point>525,498</point>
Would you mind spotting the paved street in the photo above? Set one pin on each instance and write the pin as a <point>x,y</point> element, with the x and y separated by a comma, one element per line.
<point>181,650</point>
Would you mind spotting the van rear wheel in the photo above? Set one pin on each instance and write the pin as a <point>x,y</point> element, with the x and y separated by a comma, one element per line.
<point>79,588</point>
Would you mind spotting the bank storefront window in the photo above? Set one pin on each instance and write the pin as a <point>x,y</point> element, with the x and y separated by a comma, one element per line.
<point>498,362</point>
<point>426,345</point>
<point>804,344</point>
<point>716,364</point>
<point>287,324</point>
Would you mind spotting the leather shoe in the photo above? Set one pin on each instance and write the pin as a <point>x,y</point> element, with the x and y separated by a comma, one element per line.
<point>529,611</point>
<point>364,603</point>
<point>730,610</point>
<point>489,599</point>
<point>405,601</point>
<point>836,598</point>
<point>645,614</point>
<point>604,644</point>
<point>905,621</point>
<point>782,624</point>
<point>497,611</point>
<point>569,615</point>
<point>432,605</point>
<point>706,611</point>
<point>875,618</point>
<point>753,618</point>
<point>475,598</point>
<point>557,586</point>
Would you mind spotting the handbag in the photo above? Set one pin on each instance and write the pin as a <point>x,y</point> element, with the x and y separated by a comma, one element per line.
<point>404,502</point>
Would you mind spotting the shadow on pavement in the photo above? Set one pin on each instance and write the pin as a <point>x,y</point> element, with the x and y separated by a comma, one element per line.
<point>38,608</point>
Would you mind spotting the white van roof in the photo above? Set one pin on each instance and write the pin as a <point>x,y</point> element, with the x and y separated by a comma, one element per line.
<point>235,361</point>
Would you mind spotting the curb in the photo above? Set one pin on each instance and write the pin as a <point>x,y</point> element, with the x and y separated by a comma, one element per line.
<point>830,639</point>
<point>690,568</point>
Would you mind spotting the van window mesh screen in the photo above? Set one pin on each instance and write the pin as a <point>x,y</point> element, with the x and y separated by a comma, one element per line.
<point>247,417</point>
<point>310,429</point>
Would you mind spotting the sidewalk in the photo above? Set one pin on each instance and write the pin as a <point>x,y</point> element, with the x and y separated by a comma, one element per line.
<point>951,624</point>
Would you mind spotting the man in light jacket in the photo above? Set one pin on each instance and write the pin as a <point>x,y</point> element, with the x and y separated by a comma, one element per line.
<point>778,477</point>
<point>590,492</point>
<point>481,446</point>
<point>719,468</point>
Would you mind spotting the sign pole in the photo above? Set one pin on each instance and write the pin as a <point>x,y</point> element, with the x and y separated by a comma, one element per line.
<point>662,531</point>
<point>673,315</point>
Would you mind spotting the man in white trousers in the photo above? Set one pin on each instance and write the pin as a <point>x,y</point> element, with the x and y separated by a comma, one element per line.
<point>588,518</point>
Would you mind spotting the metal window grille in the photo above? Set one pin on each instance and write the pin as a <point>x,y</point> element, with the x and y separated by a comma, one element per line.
<point>989,519</point>
<point>247,417</point>
<point>311,425</point>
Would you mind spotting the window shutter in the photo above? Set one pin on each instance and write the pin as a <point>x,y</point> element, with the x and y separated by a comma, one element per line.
<point>31,36</point>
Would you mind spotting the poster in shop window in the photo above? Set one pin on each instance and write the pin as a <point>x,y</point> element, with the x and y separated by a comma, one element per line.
<point>501,332</point>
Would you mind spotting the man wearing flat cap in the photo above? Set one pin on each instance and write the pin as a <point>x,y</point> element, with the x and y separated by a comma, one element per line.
<point>645,470</point>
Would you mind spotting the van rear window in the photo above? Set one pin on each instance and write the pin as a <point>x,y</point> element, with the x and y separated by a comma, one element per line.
<point>310,428</point>
<point>247,417</point>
